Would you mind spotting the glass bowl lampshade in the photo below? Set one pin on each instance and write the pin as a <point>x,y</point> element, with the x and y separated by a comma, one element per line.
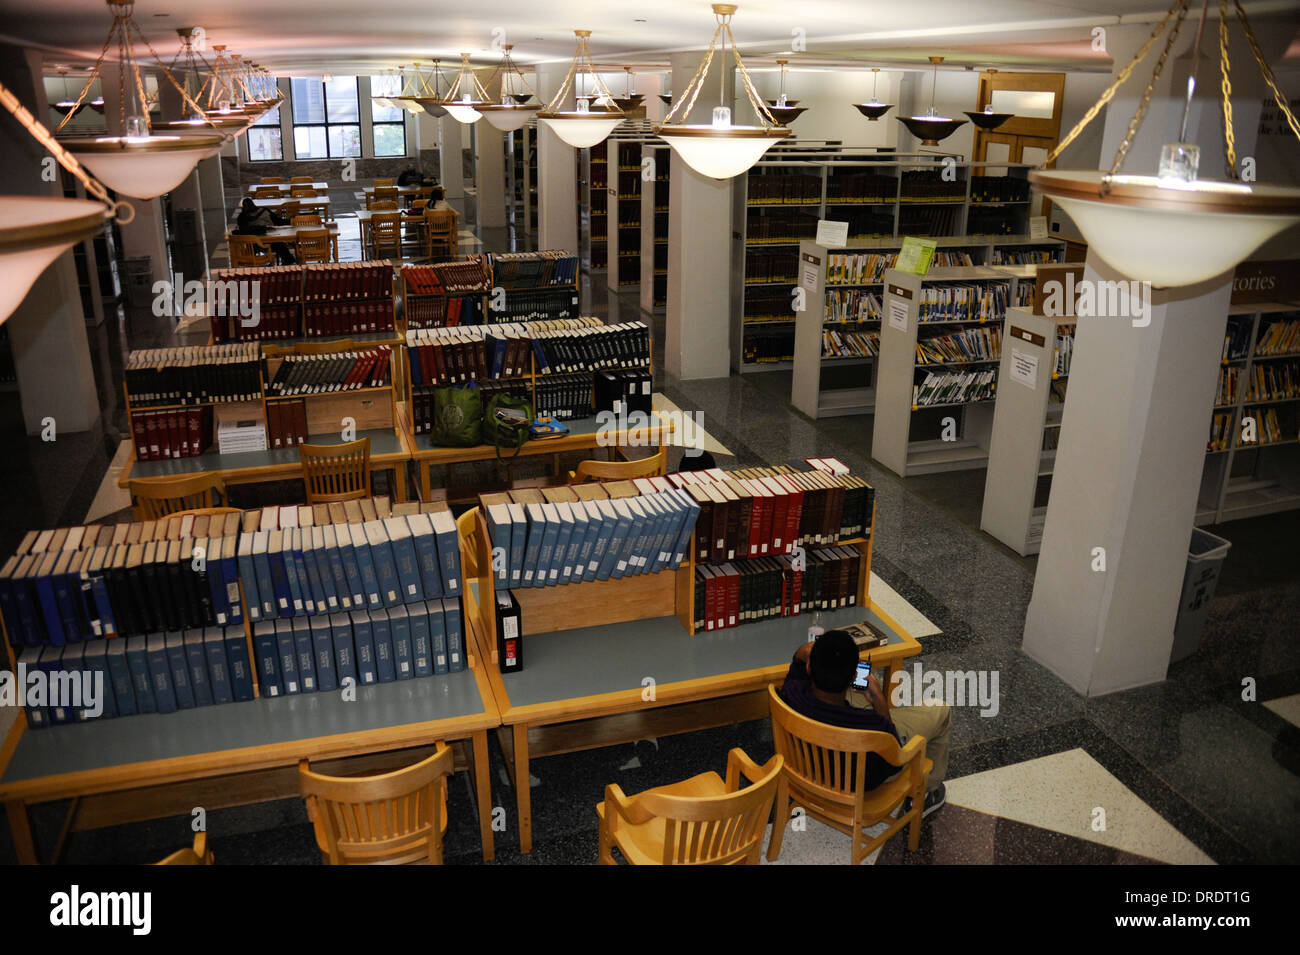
<point>143,167</point>
<point>583,126</point>
<point>36,230</point>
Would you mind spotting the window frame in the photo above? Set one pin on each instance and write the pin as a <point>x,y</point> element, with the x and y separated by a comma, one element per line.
<point>326,124</point>
<point>376,124</point>
<point>279,124</point>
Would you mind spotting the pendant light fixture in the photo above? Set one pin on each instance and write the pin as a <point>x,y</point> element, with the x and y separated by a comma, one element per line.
<point>512,108</point>
<point>188,64</point>
<point>874,109</point>
<point>136,162</point>
<point>630,99</point>
<point>666,99</point>
<point>36,230</point>
<point>582,126</point>
<point>413,87</point>
<point>65,104</point>
<point>932,127</point>
<point>783,110</point>
<point>384,101</point>
<point>1174,229</point>
<point>430,100</point>
<point>986,119</point>
<point>720,150</point>
<point>465,95</point>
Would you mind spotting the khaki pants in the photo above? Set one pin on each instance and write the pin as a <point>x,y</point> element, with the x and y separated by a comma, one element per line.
<point>933,722</point>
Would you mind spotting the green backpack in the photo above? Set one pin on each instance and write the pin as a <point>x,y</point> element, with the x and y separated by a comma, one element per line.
<point>457,417</point>
<point>506,423</point>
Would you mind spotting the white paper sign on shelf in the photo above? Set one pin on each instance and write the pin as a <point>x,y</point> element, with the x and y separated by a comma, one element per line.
<point>809,278</point>
<point>898,314</point>
<point>832,234</point>
<point>1024,368</point>
<point>1038,227</point>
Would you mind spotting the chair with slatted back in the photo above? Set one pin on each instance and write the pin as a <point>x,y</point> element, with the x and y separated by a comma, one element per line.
<point>705,820</point>
<point>247,252</point>
<point>825,775</point>
<point>620,470</point>
<point>303,192</point>
<point>153,498</point>
<point>306,220</point>
<point>296,180</point>
<point>383,194</point>
<point>198,855</point>
<point>386,234</point>
<point>315,245</point>
<point>268,192</point>
<point>388,819</point>
<point>440,231</point>
<point>336,472</point>
<point>382,182</point>
<point>271,180</point>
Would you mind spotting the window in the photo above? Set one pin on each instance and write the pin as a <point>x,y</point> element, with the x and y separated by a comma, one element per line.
<point>388,122</point>
<point>264,143</point>
<point>326,118</point>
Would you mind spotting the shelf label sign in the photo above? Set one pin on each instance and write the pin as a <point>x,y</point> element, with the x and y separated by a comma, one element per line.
<point>916,256</point>
<point>1024,368</point>
<point>898,314</point>
<point>810,271</point>
<point>1038,227</point>
<point>832,234</point>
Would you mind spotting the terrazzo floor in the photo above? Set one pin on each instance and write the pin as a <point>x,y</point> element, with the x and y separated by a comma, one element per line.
<point>1192,770</point>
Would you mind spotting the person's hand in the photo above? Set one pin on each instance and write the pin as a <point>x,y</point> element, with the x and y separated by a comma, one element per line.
<point>875,695</point>
<point>804,652</point>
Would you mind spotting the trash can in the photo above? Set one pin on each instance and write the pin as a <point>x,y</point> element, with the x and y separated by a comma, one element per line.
<point>1205,556</point>
<point>139,282</point>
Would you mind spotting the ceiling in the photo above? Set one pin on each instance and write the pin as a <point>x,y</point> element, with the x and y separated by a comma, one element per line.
<point>294,37</point>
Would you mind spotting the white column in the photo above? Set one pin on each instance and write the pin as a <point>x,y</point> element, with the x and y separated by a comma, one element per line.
<point>490,169</point>
<point>697,339</point>
<point>557,173</point>
<point>449,158</point>
<point>47,331</point>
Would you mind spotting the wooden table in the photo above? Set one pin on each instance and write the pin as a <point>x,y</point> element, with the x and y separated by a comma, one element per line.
<point>156,765</point>
<point>319,204</point>
<point>286,186</point>
<point>389,451</point>
<point>587,688</point>
<point>402,191</point>
<point>418,223</point>
<point>288,234</point>
<point>584,435</point>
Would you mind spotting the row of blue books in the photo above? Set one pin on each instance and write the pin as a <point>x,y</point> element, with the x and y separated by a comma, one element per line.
<point>561,542</point>
<point>160,673</point>
<point>320,570</point>
<point>366,646</point>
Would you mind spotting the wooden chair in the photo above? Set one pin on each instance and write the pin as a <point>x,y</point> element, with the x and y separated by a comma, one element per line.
<point>393,818</point>
<point>209,511</point>
<point>303,192</point>
<point>315,245</point>
<point>246,251</point>
<point>294,180</point>
<point>419,205</point>
<point>289,208</point>
<point>271,180</point>
<point>199,855</point>
<point>268,192</point>
<point>306,221</point>
<point>621,470</point>
<point>703,820</point>
<point>386,233</point>
<point>336,472</point>
<point>825,774</point>
<point>382,194</point>
<point>439,230</point>
<point>382,182</point>
<point>385,206</point>
<point>153,498</point>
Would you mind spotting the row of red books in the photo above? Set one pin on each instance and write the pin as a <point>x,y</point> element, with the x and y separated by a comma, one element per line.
<point>756,512</point>
<point>732,594</point>
<point>286,423</point>
<point>271,322</point>
<point>347,281</point>
<point>162,435</point>
<point>352,318</point>
<point>442,312</point>
<point>276,285</point>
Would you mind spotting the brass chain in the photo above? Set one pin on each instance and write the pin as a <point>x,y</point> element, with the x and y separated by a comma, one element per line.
<point>122,211</point>
<point>1264,68</point>
<point>760,108</point>
<point>1136,121</point>
<point>688,96</point>
<point>90,80</point>
<point>1225,66</point>
<point>1110,91</point>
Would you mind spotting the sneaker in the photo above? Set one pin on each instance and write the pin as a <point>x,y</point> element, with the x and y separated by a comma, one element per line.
<point>934,799</point>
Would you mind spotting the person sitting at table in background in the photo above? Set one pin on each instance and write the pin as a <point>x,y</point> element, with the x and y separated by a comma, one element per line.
<point>254,220</point>
<point>817,685</point>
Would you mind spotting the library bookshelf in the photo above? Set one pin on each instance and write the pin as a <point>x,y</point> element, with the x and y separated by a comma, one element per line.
<point>654,228</point>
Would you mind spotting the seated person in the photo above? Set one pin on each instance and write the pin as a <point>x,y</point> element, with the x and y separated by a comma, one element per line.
<point>816,686</point>
<point>254,220</point>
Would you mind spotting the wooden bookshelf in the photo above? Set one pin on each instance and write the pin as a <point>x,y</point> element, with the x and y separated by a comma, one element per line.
<point>654,229</point>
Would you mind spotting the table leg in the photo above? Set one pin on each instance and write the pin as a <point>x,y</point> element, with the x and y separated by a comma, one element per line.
<point>20,825</point>
<point>399,481</point>
<point>523,789</point>
<point>426,485</point>
<point>483,793</point>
